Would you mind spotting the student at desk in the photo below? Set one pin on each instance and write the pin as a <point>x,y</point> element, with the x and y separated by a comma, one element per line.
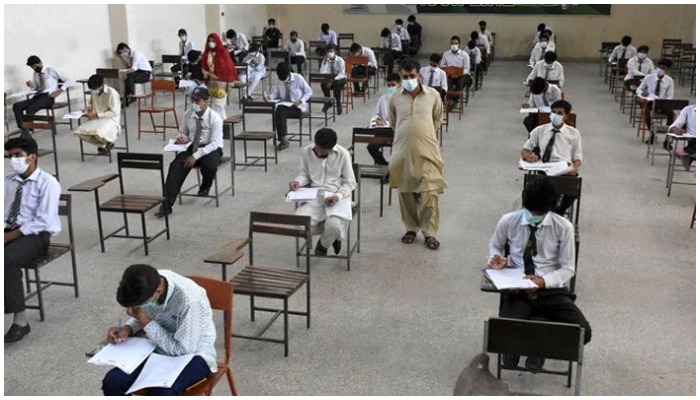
<point>327,166</point>
<point>289,88</point>
<point>549,69</point>
<point>271,34</point>
<point>104,116</point>
<point>380,119</point>
<point>486,32</point>
<point>541,49</point>
<point>623,51</point>
<point>433,76</point>
<point>456,57</point>
<point>255,62</point>
<point>138,70</point>
<point>542,95</point>
<point>297,50</point>
<point>542,29</point>
<point>237,46</point>
<point>542,246</point>
<point>401,31</point>
<point>359,70</point>
<point>475,56</point>
<point>175,314</point>
<point>391,43</point>
<point>685,125</point>
<point>185,45</point>
<point>661,86</point>
<point>481,41</point>
<point>328,36</point>
<point>639,66</point>
<point>193,69</point>
<point>333,64</point>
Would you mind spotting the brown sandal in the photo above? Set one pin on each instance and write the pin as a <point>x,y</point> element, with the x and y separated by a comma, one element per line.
<point>432,243</point>
<point>409,237</point>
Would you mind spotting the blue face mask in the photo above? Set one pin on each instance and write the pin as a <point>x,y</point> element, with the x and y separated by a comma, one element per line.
<point>391,90</point>
<point>556,119</point>
<point>149,305</point>
<point>531,219</point>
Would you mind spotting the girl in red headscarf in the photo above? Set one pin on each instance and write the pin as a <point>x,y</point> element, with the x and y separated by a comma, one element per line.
<point>219,70</point>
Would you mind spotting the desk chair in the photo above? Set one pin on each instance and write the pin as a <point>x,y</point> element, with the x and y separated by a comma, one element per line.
<point>171,59</point>
<point>275,58</point>
<point>57,105</point>
<point>316,47</point>
<point>605,49</point>
<point>158,86</point>
<point>37,122</point>
<point>378,136</point>
<point>362,80</point>
<point>253,107</point>
<point>672,163</point>
<point>686,66</point>
<point>128,203</point>
<point>457,73</point>
<point>658,118</point>
<point>628,95</point>
<point>345,37</point>
<point>326,101</point>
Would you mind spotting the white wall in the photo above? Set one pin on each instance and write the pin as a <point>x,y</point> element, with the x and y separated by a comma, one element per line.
<point>76,49</point>
<point>247,18</point>
<point>153,27</point>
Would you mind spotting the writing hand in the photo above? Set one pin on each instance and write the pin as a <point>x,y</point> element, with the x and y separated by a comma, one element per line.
<point>332,200</point>
<point>296,103</point>
<point>497,262</point>
<point>30,84</point>
<point>115,335</point>
<point>181,139</point>
<point>538,280</point>
<point>531,157</point>
<point>293,185</point>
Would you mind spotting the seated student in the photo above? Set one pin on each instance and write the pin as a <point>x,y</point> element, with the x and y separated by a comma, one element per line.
<point>358,70</point>
<point>403,35</point>
<point>538,52</point>
<point>481,41</point>
<point>550,69</point>
<point>203,129</point>
<point>255,61</point>
<point>237,45</point>
<point>391,43</point>
<point>623,51</point>
<point>415,32</point>
<point>45,81</point>
<point>328,36</point>
<point>31,218</point>
<point>542,94</point>
<point>639,66</point>
<point>486,32</point>
<point>660,86</point>
<point>380,119</point>
<point>334,65</point>
<point>455,57</point>
<point>475,59</point>
<point>104,116</point>
<point>185,46</point>
<point>542,246</point>
<point>542,29</point>
<point>433,76</point>
<point>685,125</point>
<point>193,69</point>
<point>271,35</point>
<point>176,316</point>
<point>296,49</point>
<point>138,70</point>
<point>328,166</point>
<point>292,88</point>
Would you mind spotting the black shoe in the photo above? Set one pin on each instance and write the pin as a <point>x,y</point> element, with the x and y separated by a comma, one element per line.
<point>337,245</point>
<point>161,211</point>
<point>320,250</point>
<point>667,145</point>
<point>16,333</point>
<point>326,107</point>
<point>203,192</point>
<point>534,364</point>
<point>339,110</point>
<point>510,361</point>
<point>687,161</point>
<point>103,151</point>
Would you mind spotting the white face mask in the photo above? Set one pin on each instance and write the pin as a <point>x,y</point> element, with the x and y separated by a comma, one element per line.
<point>19,164</point>
<point>556,119</point>
<point>331,54</point>
<point>544,44</point>
<point>183,38</point>
<point>212,45</point>
<point>399,27</point>
<point>642,56</point>
<point>196,107</point>
<point>409,85</point>
<point>660,72</point>
<point>454,47</point>
<point>125,53</point>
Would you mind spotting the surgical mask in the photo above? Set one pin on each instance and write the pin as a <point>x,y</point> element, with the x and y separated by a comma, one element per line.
<point>391,90</point>
<point>37,69</point>
<point>660,72</point>
<point>556,119</point>
<point>196,107</point>
<point>125,54</point>
<point>271,26</point>
<point>399,27</point>
<point>454,47</point>
<point>409,85</point>
<point>212,45</point>
<point>183,38</point>
<point>331,54</point>
<point>532,219</point>
<point>544,44</point>
<point>642,56</point>
<point>150,304</point>
<point>19,164</point>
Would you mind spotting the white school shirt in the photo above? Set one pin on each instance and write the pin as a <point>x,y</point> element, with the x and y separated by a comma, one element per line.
<point>403,33</point>
<point>459,59</point>
<point>50,76</point>
<point>335,66</point>
<point>369,53</point>
<point>567,144</point>
<point>185,47</point>
<point>553,72</point>
<point>38,211</point>
<point>483,41</point>
<point>392,42</point>
<point>649,83</point>
<point>296,49</point>
<point>552,94</point>
<point>687,118</point>
<point>488,35</point>
<point>212,131</point>
<point>537,53</point>
<point>382,110</point>
<point>332,174</point>
<point>439,77</point>
<point>298,88</point>
<point>474,54</point>
<point>259,70</point>
<point>184,323</point>
<point>620,52</point>
<point>635,67</point>
<point>537,35</point>
<point>139,62</point>
<point>330,38</point>
<point>240,43</point>
<point>554,262</point>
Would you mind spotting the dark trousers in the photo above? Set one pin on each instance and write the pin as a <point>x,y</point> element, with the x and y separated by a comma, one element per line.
<point>18,254</point>
<point>298,61</point>
<point>375,150</point>
<point>530,122</point>
<point>282,113</point>
<point>177,172</point>
<point>555,305</point>
<point>649,109</point>
<point>360,71</point>
<point>338,85</point>
<point>391,57</point>
<point>116,382</point>
<point>455,84</point>
<point>132,78</point>
<point>690,148</point>
<point>31,106</point>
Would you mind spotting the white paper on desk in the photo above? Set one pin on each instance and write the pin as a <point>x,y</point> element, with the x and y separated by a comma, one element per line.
<point>683,136</point>
<point>172,146</point>
<point>545,109</point>
<point>126,356</point>
<point>73,115</point>
<point>341,209</point>
<point>373,125</point>
<point>160,371</point>
<point>551,168</point>
<point>509,278</point>
<point>284,103</point>
<point>300,53</point>
<point>21,94</point>
<point>302,194</point>
<point>528,110</point>
<point>650,97</point>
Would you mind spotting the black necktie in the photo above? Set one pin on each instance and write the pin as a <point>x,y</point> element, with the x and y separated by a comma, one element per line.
<point>197,135</point>
<point>548,150</point>
<point>288,90</point>
<point>530,251</point>
<point>657,91</point>
<point>16,205</point>
<point>432,75</point>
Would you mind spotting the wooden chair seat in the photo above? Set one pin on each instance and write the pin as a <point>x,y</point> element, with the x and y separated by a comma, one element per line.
<point>55,251</point>
<point>131,203</point>
<point>206,385</point>
<point>375,171</point>
<point>156,109</point>
<point>252,135</point>
<point>268,282</point>
<point>234,119</point>
<point>321,100</point>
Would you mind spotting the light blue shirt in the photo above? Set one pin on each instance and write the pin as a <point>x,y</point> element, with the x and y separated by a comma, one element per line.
<point>38,210</point>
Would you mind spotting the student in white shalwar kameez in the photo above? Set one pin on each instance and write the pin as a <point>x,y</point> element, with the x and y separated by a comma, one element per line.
<point>255,61</point>
<point>104,114</point>
<point>327,166</point>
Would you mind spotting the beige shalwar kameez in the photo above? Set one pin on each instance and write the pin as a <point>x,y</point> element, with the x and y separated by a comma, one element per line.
<point>106,128</point>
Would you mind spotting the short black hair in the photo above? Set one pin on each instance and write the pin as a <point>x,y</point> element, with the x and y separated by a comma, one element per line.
<point>325,26</point>
<point>562,104</point>
<point>138,284</point>
<point>253,47</point>
<point>393,77</point>
<point>32,60</point>
<point>643,49</point>
<point>271,20</point>
<point>385,32</point>
<point>547,32</point>
<point>482,22</point>
<point>293,33</point>
<point>398,21</point>
<point>181,32</point>
<point>121,46</point>
<point>455,37</point>
<point>540,195</point>
<point>474,35</point>
<point>283,70</point>
<point>95,81</point>
<point>665,62</point>
<point>541,27</point>
<point>355,47</point>
<point>550,57</point>
<point>331,46</point>
<point>409,64</point>
<point>193,55</point>
<point>411,18</point>
<point>326,138</point>
<point>626,40</point>
<point>544,36</point>
<point>27,144</point>
<point>230,34</point>
<point>538,85</point>
<point>435,57</point>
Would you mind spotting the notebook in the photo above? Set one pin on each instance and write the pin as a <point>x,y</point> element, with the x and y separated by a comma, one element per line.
<point>126,356</point>
<point>160,371</point>
<point>509,278</point>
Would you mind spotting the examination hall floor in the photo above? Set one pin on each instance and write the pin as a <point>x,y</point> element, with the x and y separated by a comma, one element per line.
<point>406,320</point>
